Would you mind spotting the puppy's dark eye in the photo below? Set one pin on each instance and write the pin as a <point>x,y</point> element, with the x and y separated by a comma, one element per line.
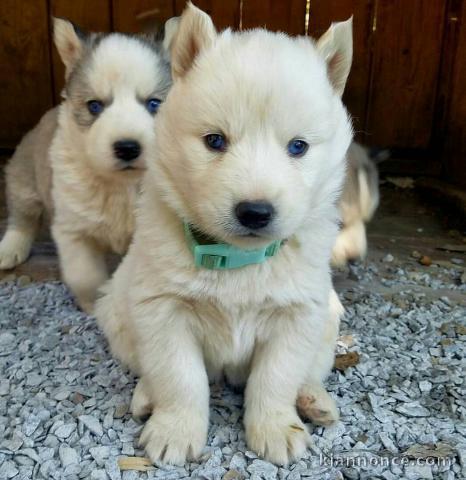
<point>95,107</point>
<point>153,105</point>
<point>297,147</point>
<point>216,141</point>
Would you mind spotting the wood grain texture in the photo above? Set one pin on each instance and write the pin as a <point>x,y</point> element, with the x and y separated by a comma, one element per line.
<point>25,79</point>
<point>225,13</point>
<point>135,15</point>
<point>89,15</point>
<point>278,15</point>
<point>407,51</point>
<point>455,139</point>
<point>322,14</point>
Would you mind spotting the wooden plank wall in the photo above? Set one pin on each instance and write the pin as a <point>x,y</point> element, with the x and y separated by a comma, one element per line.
<point>453,138</point>
<point>406,88</point>
<point>26,88</point>
<point>357,89</point>
<point>275,15</point>
<point>406,59</point>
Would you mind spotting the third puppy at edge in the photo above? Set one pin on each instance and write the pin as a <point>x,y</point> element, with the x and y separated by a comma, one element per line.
<point>358,203</point>
<point>255,157</point>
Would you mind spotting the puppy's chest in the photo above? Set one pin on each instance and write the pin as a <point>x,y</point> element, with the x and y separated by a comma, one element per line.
<point>104,214</point>
<point>228,336</point>
<point>113,222</point>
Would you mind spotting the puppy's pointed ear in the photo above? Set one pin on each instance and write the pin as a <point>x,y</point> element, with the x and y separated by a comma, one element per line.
<point>336,46</point>
<point>69,41</point>
<point>196,32</point>
<point>170,30</point>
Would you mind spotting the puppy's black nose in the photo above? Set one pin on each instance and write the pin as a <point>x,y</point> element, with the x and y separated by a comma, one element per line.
<point>254,215</point>
<point>127,150</point>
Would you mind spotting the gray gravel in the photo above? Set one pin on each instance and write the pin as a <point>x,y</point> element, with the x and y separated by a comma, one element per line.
<point>64,400</point>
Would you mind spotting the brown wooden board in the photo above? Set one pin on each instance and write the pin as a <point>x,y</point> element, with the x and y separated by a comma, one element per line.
<point>225,13</point>
<point>407,51</point>
<point>447,61</point>
<point>25,78</point>
<point>136,15</point>
<point>322,13</point>
<point>89,15</point>
<point>455,141</point>
<point>286,16</point>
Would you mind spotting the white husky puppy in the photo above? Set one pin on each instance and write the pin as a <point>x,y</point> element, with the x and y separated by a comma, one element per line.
<point>82,163</point>
<point>245,174</point>
<point>359,200</point>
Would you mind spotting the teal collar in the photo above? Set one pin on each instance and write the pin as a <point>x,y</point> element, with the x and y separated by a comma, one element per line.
<point>222,256</point>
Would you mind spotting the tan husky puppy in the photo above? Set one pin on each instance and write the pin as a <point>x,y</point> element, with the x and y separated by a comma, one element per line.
<point>82,163</point>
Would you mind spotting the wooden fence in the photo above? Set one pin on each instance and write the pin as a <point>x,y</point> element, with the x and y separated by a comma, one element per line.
<point>406,89</point>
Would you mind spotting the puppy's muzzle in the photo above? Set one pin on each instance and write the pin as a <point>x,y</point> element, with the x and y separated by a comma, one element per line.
<point>127,150</point>
<point>254,215</point>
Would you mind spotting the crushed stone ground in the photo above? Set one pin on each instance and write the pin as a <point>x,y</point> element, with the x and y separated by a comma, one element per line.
<point>64,400</point>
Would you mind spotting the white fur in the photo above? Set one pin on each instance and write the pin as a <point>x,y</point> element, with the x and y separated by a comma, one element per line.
<point>272,326</point>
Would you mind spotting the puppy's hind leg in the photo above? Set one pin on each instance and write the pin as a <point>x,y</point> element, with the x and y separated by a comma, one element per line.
<point>315,403</point>
<point>24,211</point>
<point>313,400</point>
<point>141,405</point>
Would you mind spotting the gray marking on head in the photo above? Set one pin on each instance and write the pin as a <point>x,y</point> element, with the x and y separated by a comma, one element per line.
<point>77,90</point>
<point>154,40</point>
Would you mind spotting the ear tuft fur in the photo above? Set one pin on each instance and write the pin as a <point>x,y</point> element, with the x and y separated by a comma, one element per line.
<point>69,40</point>
<point>336,46</point>
<point>196,32</point>
<point>170,31</point>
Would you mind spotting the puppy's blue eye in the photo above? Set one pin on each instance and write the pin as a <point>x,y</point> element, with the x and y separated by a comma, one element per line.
<point>95,107</point>
<point>297,148</point>
<point>153,105</point>
<point>216,141</point>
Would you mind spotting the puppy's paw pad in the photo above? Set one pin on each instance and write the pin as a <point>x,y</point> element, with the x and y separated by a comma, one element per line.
<point>279,437</point>
<point>305,402</point>
<point>320,408</point>
<point>173,437</point>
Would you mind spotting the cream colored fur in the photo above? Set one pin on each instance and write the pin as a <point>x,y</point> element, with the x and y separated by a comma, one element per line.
<point>271,326</point>
<point>66,165</point>
<point>358,203</point>
<point>28,191</point>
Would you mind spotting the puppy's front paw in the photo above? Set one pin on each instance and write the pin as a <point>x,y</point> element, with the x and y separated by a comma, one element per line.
<point>12,254</point>
<point>351,244</point>
<point>280,437</point>
<point>341,253</point>
<point>174,436</point>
